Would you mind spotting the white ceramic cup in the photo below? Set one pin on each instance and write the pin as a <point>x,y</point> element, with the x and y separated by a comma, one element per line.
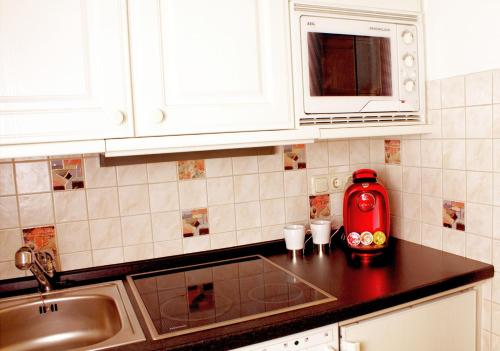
<point>321,230</point>
<point>295,235</point>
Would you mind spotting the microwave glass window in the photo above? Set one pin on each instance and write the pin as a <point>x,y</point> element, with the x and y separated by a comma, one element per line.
<point>349,65</point>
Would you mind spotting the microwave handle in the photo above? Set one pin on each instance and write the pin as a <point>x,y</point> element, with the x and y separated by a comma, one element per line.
<point>350,346</point>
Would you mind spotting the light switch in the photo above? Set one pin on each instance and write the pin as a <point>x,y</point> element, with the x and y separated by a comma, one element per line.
<point>320,184</point>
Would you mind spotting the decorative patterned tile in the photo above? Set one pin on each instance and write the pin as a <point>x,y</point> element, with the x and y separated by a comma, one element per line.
<point>319,207</point>
<point>294,156</point>
<point>392,151</point>
<point>67,174</point>
<point>454,215</point>
<point>191,169</point>
<point>195,222</point>
<point>43,238</point>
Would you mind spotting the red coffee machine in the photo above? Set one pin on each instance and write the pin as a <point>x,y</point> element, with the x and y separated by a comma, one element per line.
<point>366,213</point>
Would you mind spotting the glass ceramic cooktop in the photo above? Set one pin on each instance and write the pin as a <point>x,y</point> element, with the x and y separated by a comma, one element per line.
<point>187,299</point>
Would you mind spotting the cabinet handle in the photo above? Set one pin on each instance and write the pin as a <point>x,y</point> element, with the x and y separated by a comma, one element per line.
<point>158,116</point>
<point>118,117</point>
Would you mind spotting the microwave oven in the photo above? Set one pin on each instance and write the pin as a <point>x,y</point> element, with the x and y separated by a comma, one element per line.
<point>355,66</point>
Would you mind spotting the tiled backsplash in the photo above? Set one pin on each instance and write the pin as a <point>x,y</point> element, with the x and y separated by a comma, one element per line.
<point>444,190</point>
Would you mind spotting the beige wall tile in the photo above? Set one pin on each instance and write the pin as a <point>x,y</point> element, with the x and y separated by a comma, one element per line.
<point>220,190</point>
<point>271,185</point>
<point>9,217</point>
<point>496,121</point>
<point>107,256</point>
<point>196,243</point>
<point>296,182</point>
<point>432,210</point>
<point>453,123</point>
<point>377,151</point>
<point>412,180</point>
<point>436,121</point>
<point>496,155</point>
<point>193,193</point>
<point>135,200</point>
<point>453,92</point>
<point>76,260</point>
<point>35,209</point>
<point>410,152</point>
<point>136,230</point>
<point>162,172</point>
<point>7,185</point>
<point>247,215</point>
<point>271,163</point>
<point>480,187</point>
<point>395,202</point>
<point>432,181</point>
<point>167,248</point>
<point>454,185</point>
<point>32,177</point>
<point>272,212</point>
<point>431,153</point>
<point>478,88</point>
<point>338,153</point>
<point>9,270</point>
<point>245,165</point>
<point>167,226</point>
<point>496,189</point>
<point>434,95</point>
<point>138,252</point>
<point>359,151</point>
<point>478,248</point>
<point>454,241</point>
<point>249,236</point>
<point>412,231</point>
<point>274,232</point>
<point>297,209</point>
<point>496,263</point>
<point>132,174</point>
<point>393,177</point>
<point>479,219</point>
<point>432,236</point>
<point>10,242</point>
<point>246,188</point>
<point>97,176</point>
<point>454,154</point>
<point>70,205</point>
<point>222,240</point>
<point>102,203</point>
<point>479,122</point>
<point>336,203</point>
<point>73,237</point>
<point>412,206</point>
<point>163,197</point>
<point>496,86</point>
<point>219,167</point>
<point>221,218</point>
<point>106,233</point>
<point>479,155</point>
<point>317,155</point>
<point>496,223</point>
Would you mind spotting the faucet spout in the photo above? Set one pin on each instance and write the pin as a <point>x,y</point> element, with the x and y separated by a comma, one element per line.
<point>40,263</point>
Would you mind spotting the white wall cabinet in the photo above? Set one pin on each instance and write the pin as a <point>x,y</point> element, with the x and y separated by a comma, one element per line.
<point>64,71</point>
<point>210,66</point>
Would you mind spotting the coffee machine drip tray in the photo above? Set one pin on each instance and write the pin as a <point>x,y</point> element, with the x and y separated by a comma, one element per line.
<point>188,299</point>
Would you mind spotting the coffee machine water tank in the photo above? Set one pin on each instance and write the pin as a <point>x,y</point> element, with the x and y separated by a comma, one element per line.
<point>366,213</point>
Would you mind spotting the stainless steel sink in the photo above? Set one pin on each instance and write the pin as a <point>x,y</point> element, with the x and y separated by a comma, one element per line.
<point>93,317</point>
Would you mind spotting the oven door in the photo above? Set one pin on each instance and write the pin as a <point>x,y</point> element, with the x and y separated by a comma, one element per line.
<point>349,66</point>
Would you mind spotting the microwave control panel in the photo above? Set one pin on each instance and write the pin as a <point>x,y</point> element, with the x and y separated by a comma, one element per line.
<point>408,67</point>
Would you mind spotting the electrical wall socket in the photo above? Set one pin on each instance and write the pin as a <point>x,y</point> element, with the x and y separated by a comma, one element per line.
<point>331,183</point>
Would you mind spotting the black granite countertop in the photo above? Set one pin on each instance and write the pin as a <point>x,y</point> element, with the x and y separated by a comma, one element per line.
<point>406,272</point>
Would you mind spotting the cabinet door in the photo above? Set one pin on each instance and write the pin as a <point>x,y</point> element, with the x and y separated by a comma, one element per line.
<point>448,323</point>
<point>63,70</point>
<point>203,66</point>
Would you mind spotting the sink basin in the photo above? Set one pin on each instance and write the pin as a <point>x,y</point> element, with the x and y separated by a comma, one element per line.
<point>93,317</point>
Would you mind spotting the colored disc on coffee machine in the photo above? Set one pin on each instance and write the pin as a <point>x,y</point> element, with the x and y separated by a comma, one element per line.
<point>353,239</point>
<point>379,238</point>
<point>366,238</point>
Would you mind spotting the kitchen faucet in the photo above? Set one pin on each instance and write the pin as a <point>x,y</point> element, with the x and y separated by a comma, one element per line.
<point>40,262</point>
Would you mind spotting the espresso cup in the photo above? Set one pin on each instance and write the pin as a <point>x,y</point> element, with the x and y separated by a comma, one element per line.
<point>321,230</point>
<point>295,235</point>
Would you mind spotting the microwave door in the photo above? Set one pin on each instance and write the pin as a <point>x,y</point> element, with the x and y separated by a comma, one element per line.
<point>348,70</point>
